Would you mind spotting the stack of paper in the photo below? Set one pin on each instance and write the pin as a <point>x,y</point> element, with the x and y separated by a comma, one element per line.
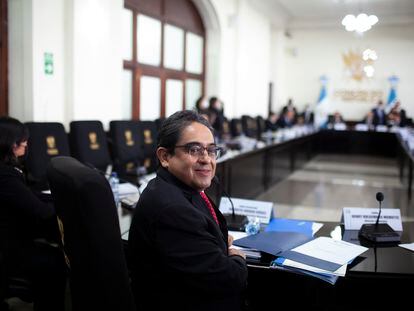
<point>322,257</point>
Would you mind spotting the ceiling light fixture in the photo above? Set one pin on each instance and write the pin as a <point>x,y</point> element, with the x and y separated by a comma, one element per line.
<point>360,23</point>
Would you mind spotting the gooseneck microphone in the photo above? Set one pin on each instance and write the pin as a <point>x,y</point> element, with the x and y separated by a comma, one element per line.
<point>380,197</point>
<point>379,233</point>
<point>217,181</point>
<point>234,222</point>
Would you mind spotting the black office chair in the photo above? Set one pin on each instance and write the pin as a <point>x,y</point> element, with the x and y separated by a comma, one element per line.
<point>127,150</point>
<point>159,122</point>
<point>236,127</point>
<point>225,134</point>
<point>88,143</point>
<point>92,240</point>
<point>149,132</point>
<point>249,126</point>
<point>261,126</point>
<point>47,140</point>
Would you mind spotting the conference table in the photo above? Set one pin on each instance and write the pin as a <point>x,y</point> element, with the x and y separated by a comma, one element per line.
<point>382,276</point>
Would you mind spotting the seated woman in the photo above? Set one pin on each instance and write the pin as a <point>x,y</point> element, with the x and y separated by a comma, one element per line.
<point>24,221</point>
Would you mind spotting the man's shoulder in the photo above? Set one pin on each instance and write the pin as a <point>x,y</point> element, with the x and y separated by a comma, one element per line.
<point>159,191</point>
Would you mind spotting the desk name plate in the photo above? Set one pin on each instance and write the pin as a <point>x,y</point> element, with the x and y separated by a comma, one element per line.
<point>354,217</point>
<point>250,208</point>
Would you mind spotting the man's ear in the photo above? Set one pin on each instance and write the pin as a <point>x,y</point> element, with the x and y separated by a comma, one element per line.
<point>163,156</point>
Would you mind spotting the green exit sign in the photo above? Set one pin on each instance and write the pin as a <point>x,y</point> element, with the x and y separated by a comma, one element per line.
<point>48,63</point>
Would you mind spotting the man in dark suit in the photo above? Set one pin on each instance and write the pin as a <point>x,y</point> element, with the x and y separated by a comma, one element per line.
<point>380,117</point>
<point>180,251</point>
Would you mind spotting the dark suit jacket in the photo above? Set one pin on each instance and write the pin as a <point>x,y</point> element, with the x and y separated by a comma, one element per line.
<point>178,253</point>
<point>23,217</point>
<point>380,118</point>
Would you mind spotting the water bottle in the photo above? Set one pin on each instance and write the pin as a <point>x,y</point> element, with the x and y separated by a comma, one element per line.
<point>253,226</point>
<point>114,182</point>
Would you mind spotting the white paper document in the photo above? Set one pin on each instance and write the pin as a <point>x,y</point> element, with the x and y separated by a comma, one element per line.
<point>328,249</point>
<point>315,227</point>
<point>237,234</point>
<point>409,246</point>
<point>126,189</point>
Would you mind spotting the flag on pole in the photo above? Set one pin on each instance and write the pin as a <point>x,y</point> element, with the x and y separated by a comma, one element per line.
<point>392,96</point>
<point>321,114</point>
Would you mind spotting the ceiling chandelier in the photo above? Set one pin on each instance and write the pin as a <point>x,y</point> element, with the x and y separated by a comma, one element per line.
<point>360,23</point>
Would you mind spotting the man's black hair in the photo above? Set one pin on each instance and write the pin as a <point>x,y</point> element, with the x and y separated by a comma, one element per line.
<point>172,127</point>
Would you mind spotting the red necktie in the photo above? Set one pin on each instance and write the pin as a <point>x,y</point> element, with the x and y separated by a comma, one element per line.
<point>209,205</point>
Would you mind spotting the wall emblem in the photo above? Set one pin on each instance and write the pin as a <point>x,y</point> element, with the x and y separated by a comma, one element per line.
<point>93,141</point>
<point>51,146</point>
<point>359,66</point>
<point>128,138</point>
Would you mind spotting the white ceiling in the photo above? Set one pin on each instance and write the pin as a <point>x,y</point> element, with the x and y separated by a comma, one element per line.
<point>325,13</point>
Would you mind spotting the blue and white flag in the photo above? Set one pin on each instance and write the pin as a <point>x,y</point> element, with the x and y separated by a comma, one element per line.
<point>392,96</point>
<point>321,111</point>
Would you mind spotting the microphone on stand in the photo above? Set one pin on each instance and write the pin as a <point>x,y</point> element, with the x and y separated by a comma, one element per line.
<point>380,197</point>
<point>234,222</point>
<point>379,233</point>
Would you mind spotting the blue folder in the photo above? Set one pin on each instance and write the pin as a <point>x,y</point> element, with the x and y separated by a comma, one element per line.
<point>290,225</point>
<point>273,242</point>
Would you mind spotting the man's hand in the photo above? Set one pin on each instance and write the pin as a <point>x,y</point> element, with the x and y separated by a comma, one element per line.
<point>236,252</point>
<point>230,240</point>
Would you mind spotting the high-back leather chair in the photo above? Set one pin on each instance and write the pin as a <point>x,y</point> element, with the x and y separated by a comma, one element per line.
<point>261,126</point>
<point>159,122</point>
<point>127,150</point>
<point>92,240</point>
<point>236,127</point>
<point>89,144</point>
<point>249,126</point>
<point>46,140</point>
<point>149,132</point>
<point>226,131</point>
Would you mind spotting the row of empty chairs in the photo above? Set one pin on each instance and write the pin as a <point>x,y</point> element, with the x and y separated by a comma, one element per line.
<point>246,125</point>
<point>127,146</point>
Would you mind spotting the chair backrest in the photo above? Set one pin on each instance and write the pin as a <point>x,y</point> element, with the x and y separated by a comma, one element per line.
<point>89,144</point>
<point>236,127</point>
<point>159,122</point>
<point>92,240</point>
<point>149,134</point>
<point>249,126</point>
<point>126,146</point>
<point>47,140</point>
<point>261,126</point>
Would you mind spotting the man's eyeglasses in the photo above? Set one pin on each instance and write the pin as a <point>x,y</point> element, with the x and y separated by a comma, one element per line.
<point>197,150</point>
